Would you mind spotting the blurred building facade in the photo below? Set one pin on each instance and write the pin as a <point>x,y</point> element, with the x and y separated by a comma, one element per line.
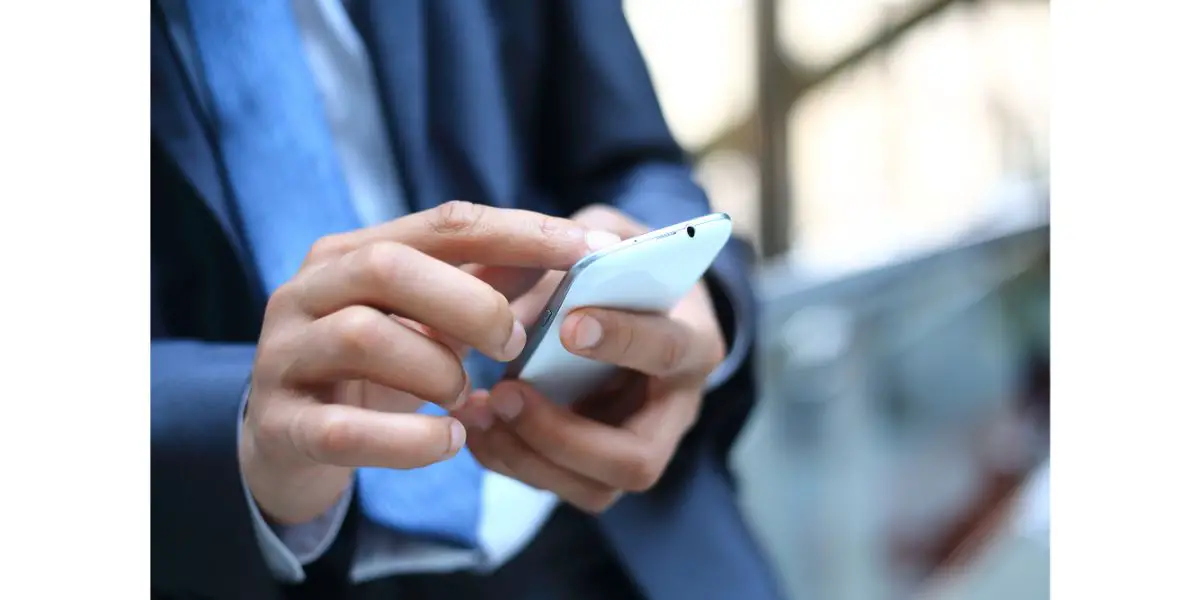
<point>889,159</point>
<point>894,123</point>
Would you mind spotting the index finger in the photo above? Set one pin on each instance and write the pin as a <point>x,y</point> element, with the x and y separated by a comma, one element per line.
<point>460,232</point>
<point>606,218</point>
<point>526,289</point>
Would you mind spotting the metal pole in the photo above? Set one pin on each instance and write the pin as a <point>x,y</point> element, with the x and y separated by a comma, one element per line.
<point>773,104</point>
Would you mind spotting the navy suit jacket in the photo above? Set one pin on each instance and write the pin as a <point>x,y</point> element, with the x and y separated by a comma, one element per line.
<point>539,104</point>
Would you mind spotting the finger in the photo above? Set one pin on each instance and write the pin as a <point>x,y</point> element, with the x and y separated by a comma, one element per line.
<point>606,218</point>
<point>349,436</point>
<point>526,289</point>
<point>648,343</point>
<point>386,399</point>
<point>616,401</point>
<point>499,450</point>
<point>460,349</point>
<point>362,343</point>
<point>610,455</point>
<point>460,232</point>
<point>665,415</point>
<point>515,282</point>
<point>361,392</point>
<point>474,413</point>
<point>528,308</point>
<point>401,280</point>
<point>511,282</point>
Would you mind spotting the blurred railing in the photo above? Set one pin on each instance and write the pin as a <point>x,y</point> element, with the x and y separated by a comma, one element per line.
<point>782,85</point>
<point>899,406</point>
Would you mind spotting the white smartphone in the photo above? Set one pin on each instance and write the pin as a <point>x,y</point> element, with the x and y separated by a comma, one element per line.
<point>648,273</point>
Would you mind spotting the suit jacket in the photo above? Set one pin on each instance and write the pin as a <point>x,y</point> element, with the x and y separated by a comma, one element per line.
<point>538,104</point>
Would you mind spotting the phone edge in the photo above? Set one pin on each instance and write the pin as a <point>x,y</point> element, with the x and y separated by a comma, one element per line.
<point>550,310</point>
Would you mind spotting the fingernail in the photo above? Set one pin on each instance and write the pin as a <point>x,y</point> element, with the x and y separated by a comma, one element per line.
<point>597,240</point>
<point>458,436</point>
<point>507,404</point>
<point>587,333</point>
<point>476,417</point>
<point>461,399</point>
<point>515,343</point>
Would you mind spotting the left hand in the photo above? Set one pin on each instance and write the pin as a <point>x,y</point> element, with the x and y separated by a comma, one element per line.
<point>623,436</point>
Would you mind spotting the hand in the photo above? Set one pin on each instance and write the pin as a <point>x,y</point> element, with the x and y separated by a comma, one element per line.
<point>375,324</point>
<point>622,438</point>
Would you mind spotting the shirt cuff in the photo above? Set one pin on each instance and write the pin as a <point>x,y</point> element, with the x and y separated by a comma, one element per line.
<point>288,548</point>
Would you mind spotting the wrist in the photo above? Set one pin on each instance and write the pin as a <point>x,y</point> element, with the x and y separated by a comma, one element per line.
<point>290,494</point>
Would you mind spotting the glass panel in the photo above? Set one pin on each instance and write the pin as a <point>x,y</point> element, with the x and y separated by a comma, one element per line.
<point>815,32</point>
<point>912,148</point>
<point>731,180</point>
<point>701,58</point>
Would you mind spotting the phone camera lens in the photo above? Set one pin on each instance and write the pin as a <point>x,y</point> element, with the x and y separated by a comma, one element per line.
<point>691,231</point>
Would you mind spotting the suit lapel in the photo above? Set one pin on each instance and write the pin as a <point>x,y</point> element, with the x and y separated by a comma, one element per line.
<point>471,124</point>
<point>175,124</point>
<point>394,32</point>
<point>462,147</point>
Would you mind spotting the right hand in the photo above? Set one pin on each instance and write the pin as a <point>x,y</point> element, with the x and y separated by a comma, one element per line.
<point>375,324</point>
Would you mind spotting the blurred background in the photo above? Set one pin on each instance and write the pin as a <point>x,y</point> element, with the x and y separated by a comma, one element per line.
<point>889,161</point>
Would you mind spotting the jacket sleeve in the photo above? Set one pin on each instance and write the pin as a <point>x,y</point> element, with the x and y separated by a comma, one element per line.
<point>202,538</point>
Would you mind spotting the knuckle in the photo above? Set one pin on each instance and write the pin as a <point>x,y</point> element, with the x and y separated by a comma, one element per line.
<point>270,351</point>
<point>456,217</point>
<point>595,502</point>
<point>282,299</point>
<point>550,228</point>
<point>275,354</point>
<point>640,472</point>
<point>355,330</point>
<point>327,247</point>
<point>547,226</point>
<point>377,264</point>
<point>670,356</point>
<point>333,438</point>
<point>275,434</point>
<point>269,428</point>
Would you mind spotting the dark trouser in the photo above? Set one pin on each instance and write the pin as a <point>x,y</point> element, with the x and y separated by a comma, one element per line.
<point>568,560</point>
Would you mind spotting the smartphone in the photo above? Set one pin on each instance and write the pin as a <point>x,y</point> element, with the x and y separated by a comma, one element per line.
<point>648,273</point>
